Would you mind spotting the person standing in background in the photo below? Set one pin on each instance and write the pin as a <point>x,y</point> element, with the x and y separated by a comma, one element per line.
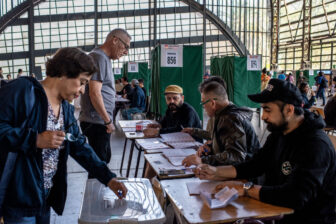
<point>97,104</point>
<point>20,73</point>
<point>282,75</point>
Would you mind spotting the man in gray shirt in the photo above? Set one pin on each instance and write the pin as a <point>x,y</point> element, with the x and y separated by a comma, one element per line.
<point>98,101</point>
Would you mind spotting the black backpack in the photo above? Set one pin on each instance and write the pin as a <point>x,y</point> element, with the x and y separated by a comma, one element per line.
<point>323,83</point>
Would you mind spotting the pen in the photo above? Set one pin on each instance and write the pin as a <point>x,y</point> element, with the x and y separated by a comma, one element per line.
<point>181,126</point>
<point>120,193</point>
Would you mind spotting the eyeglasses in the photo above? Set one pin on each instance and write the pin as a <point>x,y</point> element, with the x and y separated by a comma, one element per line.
<point>207,101</point>
<point>68,136</point>
<point>127,47</point>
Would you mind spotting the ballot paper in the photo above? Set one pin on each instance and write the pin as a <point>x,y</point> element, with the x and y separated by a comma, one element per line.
<point>222,198</point>
<point>152,143</point>
<point>184,145</point>
<point>176,156</point>
<point>177,137</point>
<point>196,187</point>
<point>180,140</point>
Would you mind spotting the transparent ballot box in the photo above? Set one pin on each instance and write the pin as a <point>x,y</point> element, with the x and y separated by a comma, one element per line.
<point>101,205</point>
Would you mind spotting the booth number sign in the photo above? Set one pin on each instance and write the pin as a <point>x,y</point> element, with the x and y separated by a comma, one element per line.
<point>253,63</point>
<point>133,67</point>
<point>117,71</point>
<point>171,55</point>
<point>171,58</point>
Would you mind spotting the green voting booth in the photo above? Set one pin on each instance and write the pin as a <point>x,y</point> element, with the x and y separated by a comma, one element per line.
<point>118,73</point>
<point>242,76</point>
<point>176,65</point>
<point>137,70</point>
<point>309,75</point>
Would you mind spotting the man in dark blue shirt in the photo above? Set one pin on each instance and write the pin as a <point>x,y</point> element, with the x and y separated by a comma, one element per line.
<point>138,101</point>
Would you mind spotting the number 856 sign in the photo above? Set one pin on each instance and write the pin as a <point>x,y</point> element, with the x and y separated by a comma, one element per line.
<point>171,55</point>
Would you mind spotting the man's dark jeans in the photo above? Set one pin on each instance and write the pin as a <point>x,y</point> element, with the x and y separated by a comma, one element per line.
<point>99,139</point>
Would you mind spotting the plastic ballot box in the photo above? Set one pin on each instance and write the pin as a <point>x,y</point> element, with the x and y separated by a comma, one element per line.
<point>101,205</point>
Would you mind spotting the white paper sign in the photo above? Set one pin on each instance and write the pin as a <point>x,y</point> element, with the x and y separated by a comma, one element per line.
<point>254,63</point>
<point>117,71</point>
<point>133,67</point>
<point>171,55</point>
<point>311,72</point>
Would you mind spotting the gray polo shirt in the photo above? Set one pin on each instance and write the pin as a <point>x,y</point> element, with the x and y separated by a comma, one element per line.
<point>104,75</point>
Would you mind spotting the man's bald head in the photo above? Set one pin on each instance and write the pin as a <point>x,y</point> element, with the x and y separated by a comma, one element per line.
<point>120,33</point>
<point>117,44</point>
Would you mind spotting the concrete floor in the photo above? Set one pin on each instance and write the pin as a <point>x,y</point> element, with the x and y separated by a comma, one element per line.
<point>77,176</point>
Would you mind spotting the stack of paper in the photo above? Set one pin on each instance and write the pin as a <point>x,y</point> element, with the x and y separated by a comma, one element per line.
<point>180,140</point>
<point>222,198</point>
<point>152,143</point>
<point>196,187</point>
<point>176,156</point>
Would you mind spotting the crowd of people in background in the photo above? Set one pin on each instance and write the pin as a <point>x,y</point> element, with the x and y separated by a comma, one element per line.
<point>10,77</point>
<point>322,88</point>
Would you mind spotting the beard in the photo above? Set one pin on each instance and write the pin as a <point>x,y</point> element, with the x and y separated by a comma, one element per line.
<point>277,127</point>
<point>173,107</point>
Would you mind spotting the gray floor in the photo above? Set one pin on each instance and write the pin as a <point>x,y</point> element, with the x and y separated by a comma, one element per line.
<point>77,175</point>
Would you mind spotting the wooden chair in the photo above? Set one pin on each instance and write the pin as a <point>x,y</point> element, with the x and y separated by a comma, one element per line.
<point>318,111</point>
<point>333,140</point>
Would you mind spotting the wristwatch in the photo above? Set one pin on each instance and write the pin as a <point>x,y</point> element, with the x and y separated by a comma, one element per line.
<point>247,186</point>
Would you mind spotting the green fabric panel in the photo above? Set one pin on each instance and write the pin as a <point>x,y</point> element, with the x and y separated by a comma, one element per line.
<point>223,67</point>
<point>193,76</point>
<point>245,83</point>
<point>189,77</point>
<point>310,78</point>
<point>239,81</point>
<point>155,81</point>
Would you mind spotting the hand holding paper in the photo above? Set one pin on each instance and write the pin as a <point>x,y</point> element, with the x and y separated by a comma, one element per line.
<point>222,198</point>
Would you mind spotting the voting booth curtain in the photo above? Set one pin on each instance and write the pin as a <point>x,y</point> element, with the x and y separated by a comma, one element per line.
<point>189,76</point>
<point>118,76</point>
<point>137,70</point>
<point>309,75</point>
<point>240,82</point>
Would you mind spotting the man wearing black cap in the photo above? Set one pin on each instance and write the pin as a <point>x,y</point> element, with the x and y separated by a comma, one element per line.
<point>298,160</point>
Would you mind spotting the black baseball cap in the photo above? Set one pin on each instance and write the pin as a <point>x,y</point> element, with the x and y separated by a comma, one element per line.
<point>279,90</point>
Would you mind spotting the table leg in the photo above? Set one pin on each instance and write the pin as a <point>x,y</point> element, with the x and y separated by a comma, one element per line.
<point>138,161</point>
<point>144,168</point>
<point>123,157</point>
<point>130,158</point>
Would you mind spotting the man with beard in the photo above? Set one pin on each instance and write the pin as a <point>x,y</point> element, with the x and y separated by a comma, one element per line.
<point>233,137</point>
<point>298,160</point>
<point>178,115</point>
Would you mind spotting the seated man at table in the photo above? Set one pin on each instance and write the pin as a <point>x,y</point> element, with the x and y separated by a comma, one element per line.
<point>142,86</point>
<point>178,114</point>
<point>127,89</point>
<point>298,160</point>
<point>138,101</point>
<point>233,136</point>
